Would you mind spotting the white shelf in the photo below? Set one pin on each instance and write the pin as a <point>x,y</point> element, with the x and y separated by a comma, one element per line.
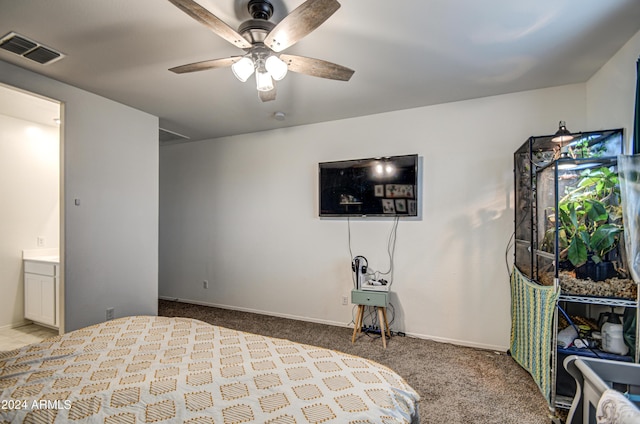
<point>607,301</point>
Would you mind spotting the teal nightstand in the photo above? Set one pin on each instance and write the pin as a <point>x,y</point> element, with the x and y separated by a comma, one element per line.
<point>380,300</point>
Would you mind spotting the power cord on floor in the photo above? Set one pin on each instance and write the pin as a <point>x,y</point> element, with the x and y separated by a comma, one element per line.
<point>373,328</point>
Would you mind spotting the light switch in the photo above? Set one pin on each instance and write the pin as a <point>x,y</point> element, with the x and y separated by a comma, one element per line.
<point>77,202</point>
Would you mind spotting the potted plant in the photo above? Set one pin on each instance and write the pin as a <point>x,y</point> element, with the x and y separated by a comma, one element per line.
<point>590,223</point>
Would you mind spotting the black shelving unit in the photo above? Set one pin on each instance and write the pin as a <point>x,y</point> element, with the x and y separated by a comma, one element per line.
<point>545,172</point>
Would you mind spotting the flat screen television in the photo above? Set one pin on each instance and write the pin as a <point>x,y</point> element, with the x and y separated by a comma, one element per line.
<point>385,186</point>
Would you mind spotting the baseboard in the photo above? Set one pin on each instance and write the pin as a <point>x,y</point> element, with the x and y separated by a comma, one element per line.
<point>483,346</point>
<point>255,311</point>
<point>495,348</point>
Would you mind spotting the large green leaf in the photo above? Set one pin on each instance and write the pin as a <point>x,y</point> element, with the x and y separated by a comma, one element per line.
<point>565,219</point>
<point>577,252</point>
<point>589,178</point>
<point>596,211</point>
<point>605,238</point>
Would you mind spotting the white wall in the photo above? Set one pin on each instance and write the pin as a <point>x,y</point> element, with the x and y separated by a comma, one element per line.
<point>29,171</point>
<point>611,91</point>
<point>241,212</point>
<point>110,163</point>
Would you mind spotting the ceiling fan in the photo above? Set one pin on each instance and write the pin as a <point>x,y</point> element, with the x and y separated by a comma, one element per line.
<point>262,41</point>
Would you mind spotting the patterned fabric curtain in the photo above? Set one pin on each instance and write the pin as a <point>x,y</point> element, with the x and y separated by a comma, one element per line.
<point>532,310</point>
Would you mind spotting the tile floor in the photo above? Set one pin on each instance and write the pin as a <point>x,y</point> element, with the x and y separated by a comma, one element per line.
<point>14,338</point>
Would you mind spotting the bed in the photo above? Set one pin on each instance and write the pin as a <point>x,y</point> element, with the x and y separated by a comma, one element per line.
<point>146,369</point>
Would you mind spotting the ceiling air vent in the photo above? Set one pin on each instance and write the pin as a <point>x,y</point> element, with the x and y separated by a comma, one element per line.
<point>30,49</point>
<point>42,55</point>
<point>16,44</point>
<point>170,137</point>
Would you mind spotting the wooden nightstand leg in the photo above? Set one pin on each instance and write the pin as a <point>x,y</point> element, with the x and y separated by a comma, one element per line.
<point>386,322</point>
<point>382,321</point>
<point>358,324</point>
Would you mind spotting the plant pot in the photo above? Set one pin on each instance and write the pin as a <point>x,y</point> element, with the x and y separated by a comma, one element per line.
<point>596,272</point>
<point>565,266</point>
<point>604,271</point>
<point>585,271</point>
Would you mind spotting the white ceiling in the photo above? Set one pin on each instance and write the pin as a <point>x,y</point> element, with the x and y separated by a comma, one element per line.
<point>405,53</point>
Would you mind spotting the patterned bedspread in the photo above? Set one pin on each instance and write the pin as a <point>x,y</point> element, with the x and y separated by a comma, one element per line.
<point>147,369</point>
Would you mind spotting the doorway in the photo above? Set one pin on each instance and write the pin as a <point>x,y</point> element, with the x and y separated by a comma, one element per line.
<point>30,175</point>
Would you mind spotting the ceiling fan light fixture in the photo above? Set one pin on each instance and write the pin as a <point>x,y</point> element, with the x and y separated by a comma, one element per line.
<point>276,67</point>
<point>263,40</point>
<point>263,80</point>
<point>243,68</point>
<point>563,134</point>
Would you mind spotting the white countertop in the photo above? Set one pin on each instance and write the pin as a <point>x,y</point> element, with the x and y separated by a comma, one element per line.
<point>42,255</point>
<point>50,259</point>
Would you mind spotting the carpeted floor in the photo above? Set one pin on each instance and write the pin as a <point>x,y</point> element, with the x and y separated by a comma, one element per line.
<point>457,384</point>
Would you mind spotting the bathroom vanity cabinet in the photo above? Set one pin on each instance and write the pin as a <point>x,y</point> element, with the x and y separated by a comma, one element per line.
<point>41,291</point>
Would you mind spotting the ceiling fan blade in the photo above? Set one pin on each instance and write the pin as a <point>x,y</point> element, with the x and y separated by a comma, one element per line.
<point>207,64</point>
<point>317,67</point>
<point>212,22</point>
<point>297,24</point>
<point>267,96</point>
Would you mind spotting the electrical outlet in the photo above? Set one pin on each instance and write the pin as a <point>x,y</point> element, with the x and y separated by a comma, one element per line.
<point>110,314</point>
<point>205,284</point>
<point>345,300</point>
<point>40,241</point>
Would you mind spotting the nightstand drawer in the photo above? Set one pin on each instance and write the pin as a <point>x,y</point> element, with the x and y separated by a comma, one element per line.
<point>370,298</point>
